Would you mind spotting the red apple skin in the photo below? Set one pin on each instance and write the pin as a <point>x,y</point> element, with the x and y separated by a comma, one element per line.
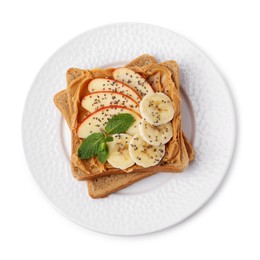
<point>122,83</point>
<point>129,85</point>
<point>107,91</point>
<point>104,108</point>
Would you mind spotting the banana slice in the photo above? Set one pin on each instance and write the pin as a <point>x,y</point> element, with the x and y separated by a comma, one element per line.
<point>155,135</point>
<point>145,154</point>
<point>157,108</point>
<point>118,154</point>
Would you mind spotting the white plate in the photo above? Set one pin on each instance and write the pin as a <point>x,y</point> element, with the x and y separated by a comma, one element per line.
<point>159,201</point>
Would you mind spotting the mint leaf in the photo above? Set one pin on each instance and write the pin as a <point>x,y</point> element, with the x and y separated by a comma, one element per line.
<point>103,152</point>
<point>102,146</point>
<point>119,123</point>
<point>109,139</point>
<point>90,146</point>
<point>102,156</point>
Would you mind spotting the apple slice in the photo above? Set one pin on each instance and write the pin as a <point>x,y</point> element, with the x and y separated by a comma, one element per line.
<point>102,84</point>
<point>133,80</point>
<point>96,100</point>
<point>97,120</point>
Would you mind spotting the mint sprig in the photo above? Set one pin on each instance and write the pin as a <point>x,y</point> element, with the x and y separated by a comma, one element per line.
<point>96,143</point>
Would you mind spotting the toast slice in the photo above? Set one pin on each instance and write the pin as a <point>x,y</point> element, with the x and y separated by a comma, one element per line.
<point>162,78</point>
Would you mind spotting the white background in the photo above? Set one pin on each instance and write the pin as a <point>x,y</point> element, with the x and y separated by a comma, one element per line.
<point>228,227</point>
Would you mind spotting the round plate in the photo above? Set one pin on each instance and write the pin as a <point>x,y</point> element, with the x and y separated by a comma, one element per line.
<point>159,201</point>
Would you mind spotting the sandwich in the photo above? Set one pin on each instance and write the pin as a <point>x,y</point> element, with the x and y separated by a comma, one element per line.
<point>125,91</point>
